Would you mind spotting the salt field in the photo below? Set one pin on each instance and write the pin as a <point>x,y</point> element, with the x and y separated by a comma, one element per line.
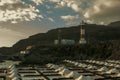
<point>4,66</point>
<point>7,63</point>
<point>67,70</point>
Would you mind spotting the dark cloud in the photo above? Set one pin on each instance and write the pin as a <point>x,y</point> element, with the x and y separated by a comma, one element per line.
<point>104,11</point>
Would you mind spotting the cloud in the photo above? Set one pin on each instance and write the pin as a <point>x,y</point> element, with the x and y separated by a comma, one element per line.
<point>10,32</point>
<point>3,2</point>
<point>103,11</point>
<point>96,11</point>
<point>9,37</point>
<point>16,10</point>
<point>38,2</point>
<point>70,19</point>
<point>51,19</point>
<point>56,1</point>
<point>73,4</point>
<point>75,7</point>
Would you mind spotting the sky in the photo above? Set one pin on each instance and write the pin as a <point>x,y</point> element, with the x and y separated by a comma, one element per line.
<point>20,19</point>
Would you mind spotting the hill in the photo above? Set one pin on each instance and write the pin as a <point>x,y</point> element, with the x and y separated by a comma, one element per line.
<point>94,33</point>
<point>117,23</point>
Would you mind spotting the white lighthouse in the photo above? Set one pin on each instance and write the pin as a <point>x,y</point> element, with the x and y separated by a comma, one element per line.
<point>82,34</point>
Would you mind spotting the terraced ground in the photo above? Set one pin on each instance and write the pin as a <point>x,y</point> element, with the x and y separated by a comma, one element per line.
<point>67,70</point>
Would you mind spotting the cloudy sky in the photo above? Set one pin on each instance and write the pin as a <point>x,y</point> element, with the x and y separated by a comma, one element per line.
<point>22,18</point>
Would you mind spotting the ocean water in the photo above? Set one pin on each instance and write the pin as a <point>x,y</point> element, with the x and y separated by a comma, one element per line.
<point>7,63</point>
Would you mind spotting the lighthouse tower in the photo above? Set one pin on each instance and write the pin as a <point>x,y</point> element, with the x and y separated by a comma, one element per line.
<point>82,34</point>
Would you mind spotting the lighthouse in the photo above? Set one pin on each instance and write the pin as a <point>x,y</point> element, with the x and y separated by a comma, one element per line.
<point>82,34</point>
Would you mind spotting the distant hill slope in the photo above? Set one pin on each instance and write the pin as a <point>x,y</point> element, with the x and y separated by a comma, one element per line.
<point>93,32</point>
<point>117,23</point>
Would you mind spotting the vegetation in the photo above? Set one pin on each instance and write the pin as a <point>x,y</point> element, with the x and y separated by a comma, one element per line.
<point>103,41</point>
<point>93,33</point>
<point>98,50</point>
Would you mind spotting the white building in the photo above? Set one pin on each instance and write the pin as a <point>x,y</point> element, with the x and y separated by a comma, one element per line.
<point>24,52</point>
<point>65,42</point>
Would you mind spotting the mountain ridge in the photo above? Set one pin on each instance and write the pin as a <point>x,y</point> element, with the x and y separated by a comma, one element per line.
<point>93,33</point>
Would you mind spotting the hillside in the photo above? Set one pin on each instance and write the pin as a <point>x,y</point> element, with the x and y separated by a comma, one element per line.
<point>117,23</point>
<point>94,33</point>
<point>100,51</point>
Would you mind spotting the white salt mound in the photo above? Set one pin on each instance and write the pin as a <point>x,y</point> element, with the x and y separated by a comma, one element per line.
<point>59,69</point>
<point>114,70</point>
<point>103,69</point>
<point>85,78</point>
<point>65,72</point>
<point>54,66</point>
<point>15,78</point>
<point>73,74</point>
<point>118,75</point>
